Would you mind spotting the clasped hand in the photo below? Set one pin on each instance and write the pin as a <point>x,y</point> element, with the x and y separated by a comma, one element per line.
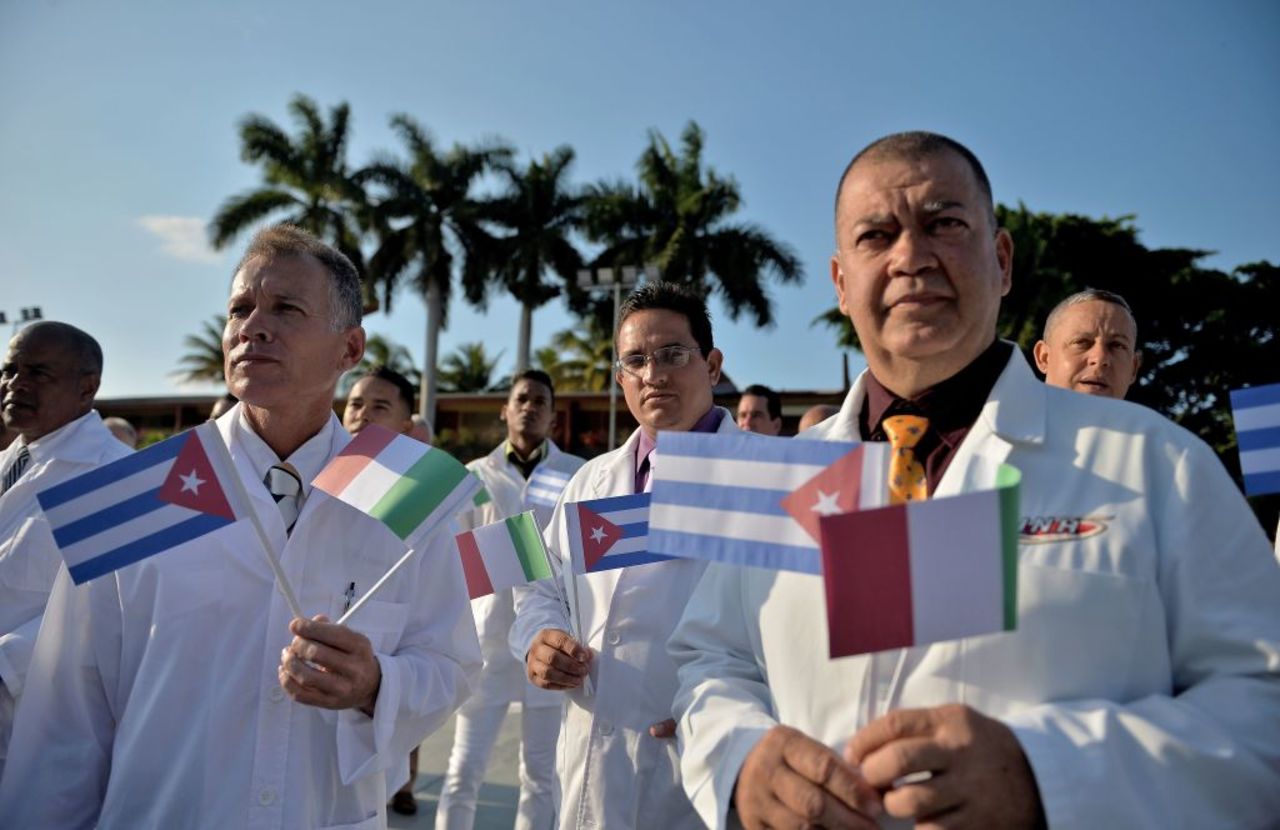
<point>330,666</point>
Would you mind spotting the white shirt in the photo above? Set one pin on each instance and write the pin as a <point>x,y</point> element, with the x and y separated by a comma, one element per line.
<point>613,773</point>
<point>1143,680</point>
<point>504,677</point>
<point>153,698</point>
<point>29,558</point>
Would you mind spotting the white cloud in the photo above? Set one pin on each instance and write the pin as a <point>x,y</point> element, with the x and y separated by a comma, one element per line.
<point>181,237</point>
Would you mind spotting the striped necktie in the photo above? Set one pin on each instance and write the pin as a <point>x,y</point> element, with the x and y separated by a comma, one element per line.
<point>907,480</point>
<point>16,469</point>
<point>286,488</point>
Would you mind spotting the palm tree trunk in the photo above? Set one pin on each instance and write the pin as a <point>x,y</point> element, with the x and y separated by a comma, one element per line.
<point>427,397</point>
<point>526,335</point>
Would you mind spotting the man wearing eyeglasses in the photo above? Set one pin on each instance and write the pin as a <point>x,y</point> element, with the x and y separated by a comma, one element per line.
<point>618,764</point>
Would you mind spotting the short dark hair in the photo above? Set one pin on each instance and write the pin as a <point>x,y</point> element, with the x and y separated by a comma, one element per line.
<point>87,352</point>
<point>344,280</point>
<point>915,145</point>
<point>537,376</point>
<point>399,381</point>
<point>670,296</point>
<point>773,401</point>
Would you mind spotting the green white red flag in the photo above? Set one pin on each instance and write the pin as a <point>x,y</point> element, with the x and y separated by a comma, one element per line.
<point>922,572</point>
<point>503,554</point>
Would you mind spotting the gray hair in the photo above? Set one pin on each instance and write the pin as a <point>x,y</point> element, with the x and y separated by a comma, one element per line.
<point>346,304</point>
<point>1088,295</point>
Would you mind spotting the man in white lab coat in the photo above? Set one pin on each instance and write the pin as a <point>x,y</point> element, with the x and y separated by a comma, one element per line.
<point>617,759</point>
<point>178,691</point>
<point>47,385</point>
<point>529,415</point>
<point>1140,688</point>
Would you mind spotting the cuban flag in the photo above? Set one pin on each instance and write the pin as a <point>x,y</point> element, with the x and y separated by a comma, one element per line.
<point>1256,411</point>
<point>610,533</point>
<point>143,504</point>
<point>756,500</point>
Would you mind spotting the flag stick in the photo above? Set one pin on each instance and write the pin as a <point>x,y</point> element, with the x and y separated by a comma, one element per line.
<point>350,612</point>
<point>575,621</point>
<point>267,548</point>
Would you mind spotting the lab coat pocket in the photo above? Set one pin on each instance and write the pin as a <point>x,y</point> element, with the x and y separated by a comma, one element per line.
<point>660,799</point>
<point>382,622</point>
<point>1077,636</point>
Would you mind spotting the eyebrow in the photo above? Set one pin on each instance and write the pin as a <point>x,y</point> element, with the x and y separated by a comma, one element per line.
<point>939,205</point>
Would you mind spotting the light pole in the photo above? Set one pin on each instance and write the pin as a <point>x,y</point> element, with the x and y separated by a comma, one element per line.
<point>26,315</point>
<point>628,277</point>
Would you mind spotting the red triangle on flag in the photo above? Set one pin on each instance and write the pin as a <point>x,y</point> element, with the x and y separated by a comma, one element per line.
<point>192,482</point>
<point>834,490</point>
<point>598,535</point>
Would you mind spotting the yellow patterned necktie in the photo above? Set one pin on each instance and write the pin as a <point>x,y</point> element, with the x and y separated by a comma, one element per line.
<point>906,474</point>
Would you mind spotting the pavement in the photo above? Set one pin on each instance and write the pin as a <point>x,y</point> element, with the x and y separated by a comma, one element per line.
<point>496,809</point>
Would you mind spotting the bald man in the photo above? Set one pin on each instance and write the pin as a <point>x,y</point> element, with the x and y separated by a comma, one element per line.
<point>1090,345</point>
<point>815,415</point>
<point>47,385</point>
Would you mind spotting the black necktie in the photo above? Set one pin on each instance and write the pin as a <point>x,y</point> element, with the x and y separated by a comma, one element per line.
<point>286,488</point>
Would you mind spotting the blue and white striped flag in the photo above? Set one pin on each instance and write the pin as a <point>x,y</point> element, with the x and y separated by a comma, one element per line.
<point>1256,411</point>
<point>610,533</point>
<point>720,496</point>
<point>143,504</point>
<point>544,487</point>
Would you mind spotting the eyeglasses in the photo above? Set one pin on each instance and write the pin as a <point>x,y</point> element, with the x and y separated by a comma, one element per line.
<point>668,357</point>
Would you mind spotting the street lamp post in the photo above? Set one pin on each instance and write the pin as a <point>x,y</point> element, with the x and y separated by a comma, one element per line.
<point>628,277</point>
<point>26,315</point>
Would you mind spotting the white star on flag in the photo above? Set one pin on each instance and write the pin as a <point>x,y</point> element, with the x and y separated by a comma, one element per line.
<point>826,504</point>
<point>597,535</point>
<point>191,483</point>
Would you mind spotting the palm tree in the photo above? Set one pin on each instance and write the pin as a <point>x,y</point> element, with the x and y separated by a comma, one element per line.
<point>676,219</point>
<point>468,369</point>
<point>382,351</point>
<point>583,357</point>
<point>306,180</point>
<point>428,217</point>
<point>540,211</point>
<point>202,362</point>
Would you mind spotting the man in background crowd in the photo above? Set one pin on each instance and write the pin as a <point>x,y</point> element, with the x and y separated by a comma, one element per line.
<point>47,385</point>
<point>1090,345</point>
<point>760,410</point>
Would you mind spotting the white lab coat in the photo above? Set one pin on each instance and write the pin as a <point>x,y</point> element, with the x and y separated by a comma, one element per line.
<point>29,557</point>
<point>504,677</point>
<point>613,774</point>
<point>153,698</point>
<point>1142,680</point>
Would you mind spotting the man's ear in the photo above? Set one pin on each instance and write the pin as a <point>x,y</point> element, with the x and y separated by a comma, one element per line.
<point>353,348</point>
<point>837,280</point>
<point>1041,352</point>
<point>715,360</point>
<point>1004,256</point>
<point>89,383</point>
<point>1137,362</point>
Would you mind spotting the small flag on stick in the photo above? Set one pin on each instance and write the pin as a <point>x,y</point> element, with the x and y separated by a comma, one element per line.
<point>409,486</point>
<point>754,500</point>
<point>610,533</point>
<point>544,487</point>
<point>143,504</point>
<point>503,554</point>
<point>924,571</point>
<point>1256,411</point>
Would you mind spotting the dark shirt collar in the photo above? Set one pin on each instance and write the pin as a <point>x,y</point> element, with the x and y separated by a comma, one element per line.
<point>951,406</point>
<point>526,466</point>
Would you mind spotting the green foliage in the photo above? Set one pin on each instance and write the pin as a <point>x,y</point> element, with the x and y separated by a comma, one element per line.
<point>468,369</point>
<point>202,362</point>
<point>381,351</point>
<point>579,360</point>
<point>676,218</point>
<point>306,180</point>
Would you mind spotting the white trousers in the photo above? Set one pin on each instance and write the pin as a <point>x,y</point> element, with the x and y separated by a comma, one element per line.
<point>476,733</point>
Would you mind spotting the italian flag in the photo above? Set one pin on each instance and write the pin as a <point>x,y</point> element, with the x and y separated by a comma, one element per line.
<point>922,572</point>
<point>407,485</point>
<point>503,554</point>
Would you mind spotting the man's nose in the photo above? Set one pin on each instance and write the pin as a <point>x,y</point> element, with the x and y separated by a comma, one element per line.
<point>912,252</point>
<point>256,326</point>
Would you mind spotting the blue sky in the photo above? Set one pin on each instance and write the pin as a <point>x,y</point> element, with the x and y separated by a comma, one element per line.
<point>118,131</point>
